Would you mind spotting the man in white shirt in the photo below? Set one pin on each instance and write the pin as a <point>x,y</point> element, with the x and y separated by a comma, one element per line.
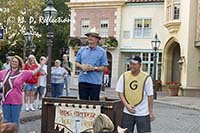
<point>135,89</point>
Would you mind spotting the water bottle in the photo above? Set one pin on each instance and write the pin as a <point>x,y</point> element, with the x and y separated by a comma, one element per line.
<point>77,126</point>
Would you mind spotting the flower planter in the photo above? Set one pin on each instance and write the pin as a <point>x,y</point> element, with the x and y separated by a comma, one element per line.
<point>173,91</point>
<point>111,48</point>
<point>173,88</point>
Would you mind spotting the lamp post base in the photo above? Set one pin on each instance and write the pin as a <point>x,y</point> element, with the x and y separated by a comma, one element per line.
<point>154,91</point>
<point>48,91</point>
<point>48,94</point>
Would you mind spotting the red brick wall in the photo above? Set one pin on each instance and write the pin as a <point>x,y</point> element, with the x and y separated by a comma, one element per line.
<point>94,16</point>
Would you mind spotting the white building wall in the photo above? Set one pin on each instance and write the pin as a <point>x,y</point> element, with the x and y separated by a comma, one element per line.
<point>186,39</point>
<point>155,12</point>
<point>193,53</point>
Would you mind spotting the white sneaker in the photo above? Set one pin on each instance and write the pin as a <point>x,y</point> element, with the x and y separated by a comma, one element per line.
<point>26,107</point>
<point>31,107</point>
<point>40,107</point>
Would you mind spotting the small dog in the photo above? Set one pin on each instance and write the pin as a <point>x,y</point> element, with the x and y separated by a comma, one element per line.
<point>121,130</point>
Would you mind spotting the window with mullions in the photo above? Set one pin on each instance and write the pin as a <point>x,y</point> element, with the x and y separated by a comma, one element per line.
<point>142,28</point>
<point>145,67</point>
<point>160,57</point>
<point>151,69</point>
<point>104,28</point>
<point>84,27</point>
<point>173,9</point>
<point>148,63</point>
<point>152,56</point>
<point>145,57</point>
<point>176,11</point>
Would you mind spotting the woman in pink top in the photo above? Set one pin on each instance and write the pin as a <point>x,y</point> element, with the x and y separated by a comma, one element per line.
<point>13,80</point>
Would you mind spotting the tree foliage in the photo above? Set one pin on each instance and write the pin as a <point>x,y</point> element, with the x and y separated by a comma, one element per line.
<point>61,32</point>
<point>13,14</point>
<point>111,41</point>
<point>16,16</point>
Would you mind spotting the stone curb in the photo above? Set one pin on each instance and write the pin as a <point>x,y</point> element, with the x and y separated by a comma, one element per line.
<point>178,105</point>
<point>28,118</point>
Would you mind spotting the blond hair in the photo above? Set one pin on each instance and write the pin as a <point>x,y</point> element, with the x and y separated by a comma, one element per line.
<point>21,62</point>
<point>33,57</point>
<point>102,122</point>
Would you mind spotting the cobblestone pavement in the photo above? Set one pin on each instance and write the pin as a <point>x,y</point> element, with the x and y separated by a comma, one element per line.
<point>169,119</point>
<point>31,127</point>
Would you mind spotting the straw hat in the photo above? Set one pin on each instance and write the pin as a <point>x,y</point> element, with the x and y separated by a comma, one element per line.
<point>94,33</point>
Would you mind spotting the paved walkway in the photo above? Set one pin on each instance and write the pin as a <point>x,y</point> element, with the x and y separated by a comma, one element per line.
<point>180,101</point>
<point>162,97</point>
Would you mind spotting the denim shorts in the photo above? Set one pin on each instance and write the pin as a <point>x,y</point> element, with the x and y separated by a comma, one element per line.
<point>11,113</point>
<point>40,90</point>
<point>30,87</point>
<point>142,123</point>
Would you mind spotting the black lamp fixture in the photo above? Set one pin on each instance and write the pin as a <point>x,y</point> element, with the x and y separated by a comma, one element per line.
<point>28,43</point>
<point>155,45</point>
<point>28,37</point>
<point>49,13</point>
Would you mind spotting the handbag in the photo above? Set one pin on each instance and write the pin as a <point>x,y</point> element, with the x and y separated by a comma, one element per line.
<point>1,87</point>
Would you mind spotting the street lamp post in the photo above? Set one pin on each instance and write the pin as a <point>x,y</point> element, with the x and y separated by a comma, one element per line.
<point>28,43</point>
<point>155,45</point>
<point>49,13</point>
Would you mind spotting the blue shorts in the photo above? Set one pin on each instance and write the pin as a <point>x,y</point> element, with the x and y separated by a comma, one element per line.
<point>142,123</point>
<point>30,87</point>
<point>40,90</point>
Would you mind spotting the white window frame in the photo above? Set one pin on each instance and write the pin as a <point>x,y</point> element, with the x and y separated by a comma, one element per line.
<point>142,31</point>
<point>85,25</point>
<point>173,10</point>
<point>104,26</point>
